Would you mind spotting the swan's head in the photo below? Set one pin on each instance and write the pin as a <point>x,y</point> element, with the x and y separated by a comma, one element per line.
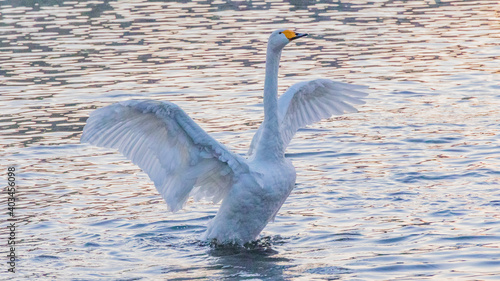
<point>279,38</point>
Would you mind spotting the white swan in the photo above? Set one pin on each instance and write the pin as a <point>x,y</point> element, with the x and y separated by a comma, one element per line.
<point>183,160</point>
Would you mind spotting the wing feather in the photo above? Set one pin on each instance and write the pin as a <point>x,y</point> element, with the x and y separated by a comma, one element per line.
<point>177,154</point>
<point>308,102</point>
<point>321,98</point>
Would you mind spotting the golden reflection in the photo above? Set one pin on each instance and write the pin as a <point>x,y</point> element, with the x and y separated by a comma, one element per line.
<point>415,41</point>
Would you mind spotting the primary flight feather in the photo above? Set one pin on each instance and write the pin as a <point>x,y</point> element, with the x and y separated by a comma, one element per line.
<point>183,160</point>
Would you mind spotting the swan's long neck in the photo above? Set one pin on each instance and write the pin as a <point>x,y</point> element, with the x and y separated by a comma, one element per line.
<point>271,144</point>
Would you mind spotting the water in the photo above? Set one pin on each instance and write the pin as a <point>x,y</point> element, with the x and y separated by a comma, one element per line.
<point>406,189</point>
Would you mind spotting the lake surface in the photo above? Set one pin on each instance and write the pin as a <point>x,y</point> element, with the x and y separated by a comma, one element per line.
<point>406,189</point>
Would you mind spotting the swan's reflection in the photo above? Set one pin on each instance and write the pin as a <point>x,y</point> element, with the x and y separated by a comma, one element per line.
<point>258,259</point>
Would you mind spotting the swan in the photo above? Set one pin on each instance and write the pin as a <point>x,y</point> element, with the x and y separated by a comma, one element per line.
<point>183,160</point>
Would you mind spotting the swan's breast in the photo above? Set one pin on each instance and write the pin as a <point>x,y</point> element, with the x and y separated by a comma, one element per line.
<point>252,202</point>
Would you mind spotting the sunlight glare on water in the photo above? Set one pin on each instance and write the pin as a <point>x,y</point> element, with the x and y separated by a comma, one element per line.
<point>405,189</point>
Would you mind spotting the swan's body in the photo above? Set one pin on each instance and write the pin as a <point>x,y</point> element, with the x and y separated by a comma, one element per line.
<point>183,160</point>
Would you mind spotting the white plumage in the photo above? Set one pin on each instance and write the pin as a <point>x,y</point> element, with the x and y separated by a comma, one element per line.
<point>183,160</point>
<point>308,102</point>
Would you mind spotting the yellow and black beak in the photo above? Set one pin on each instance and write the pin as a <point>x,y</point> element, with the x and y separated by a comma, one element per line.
<point>298,35</point>
<point>292,35</point>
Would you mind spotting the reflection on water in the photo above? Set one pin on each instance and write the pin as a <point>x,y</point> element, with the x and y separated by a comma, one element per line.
<point>405,189</point>
<point>139,45</point>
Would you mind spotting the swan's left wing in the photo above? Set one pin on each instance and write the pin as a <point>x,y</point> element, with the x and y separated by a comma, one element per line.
<point>177,154</point>
<point>308,102</point>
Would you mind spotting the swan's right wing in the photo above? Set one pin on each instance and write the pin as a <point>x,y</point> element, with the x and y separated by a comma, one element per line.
<point>308,102</point>
<point>177,154</point>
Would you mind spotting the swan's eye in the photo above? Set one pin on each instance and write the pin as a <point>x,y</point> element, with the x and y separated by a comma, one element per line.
<point>280,32</point>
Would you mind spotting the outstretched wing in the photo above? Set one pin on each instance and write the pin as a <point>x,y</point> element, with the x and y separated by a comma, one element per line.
<point>177,154</point>
<point>308,102</point>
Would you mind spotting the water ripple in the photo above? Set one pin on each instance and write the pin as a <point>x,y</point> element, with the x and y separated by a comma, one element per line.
<point>405,189</point>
